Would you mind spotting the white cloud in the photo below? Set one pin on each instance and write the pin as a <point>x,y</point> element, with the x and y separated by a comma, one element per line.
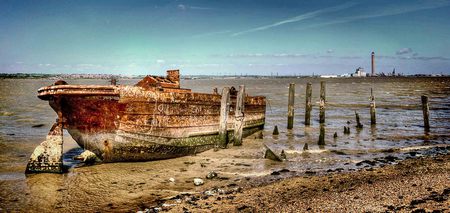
<point>386,11</point>
<point>414,57</point>
<point>274,55</point>
<point>186,7</point>
<point>403,51</point>
<point>298,18</point>
<point>200,8</point>
<point>181,7</point>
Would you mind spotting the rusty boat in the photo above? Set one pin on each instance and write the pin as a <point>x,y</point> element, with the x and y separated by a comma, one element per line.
<point>154,119</point>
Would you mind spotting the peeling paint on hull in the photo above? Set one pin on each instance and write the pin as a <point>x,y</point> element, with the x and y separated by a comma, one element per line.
<point>132,123</point>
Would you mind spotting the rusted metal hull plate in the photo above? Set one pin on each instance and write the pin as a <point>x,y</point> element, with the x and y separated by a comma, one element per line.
<point>47,157</point>
<point>130,123</point>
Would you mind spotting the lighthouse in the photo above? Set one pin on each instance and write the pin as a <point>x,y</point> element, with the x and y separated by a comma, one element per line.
<point>373,63</point>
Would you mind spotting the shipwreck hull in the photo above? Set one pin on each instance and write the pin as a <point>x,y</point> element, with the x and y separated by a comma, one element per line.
<point>132,123</point>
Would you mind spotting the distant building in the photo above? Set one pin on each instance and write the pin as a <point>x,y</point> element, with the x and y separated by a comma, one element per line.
<point>345,75</point>
<point>373,63</point>
<point>359,72</point>
<point>328,76</point>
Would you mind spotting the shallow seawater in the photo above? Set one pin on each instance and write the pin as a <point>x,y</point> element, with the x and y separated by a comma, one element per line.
<point>130,186</point>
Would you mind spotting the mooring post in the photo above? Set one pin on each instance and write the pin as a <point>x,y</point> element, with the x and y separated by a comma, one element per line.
<point>358,122</point>
<point>322,103</point>
<point>224,109</point>
<point>275,130</point>
<point>290,124</point>
<point>373,119</point>
<point>322,135</point>
<point>426,113</point>
<point>48,156</point>
<point>308,105</point>
<point>239,116</point>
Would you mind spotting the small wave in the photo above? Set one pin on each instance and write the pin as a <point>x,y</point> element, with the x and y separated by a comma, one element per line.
<point>313,151</point>
<point>414,148</point>
<point>6,113</point>
<point>250,174</point>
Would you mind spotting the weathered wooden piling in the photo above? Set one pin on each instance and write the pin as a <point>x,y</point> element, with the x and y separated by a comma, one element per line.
<point>283,155</point>
<point>373,119</point>
<point>239,116</point>
<point>346,130</point>
<point>308,104</point>
<point>322,135</point>
<point>290,123</point>
<point>224,109</point>
<point>259,135</point>
<point>275,130</point>
<point>322,103</point>
<point>305,147</point>
<point>426,113</point>
<point>358,123</point>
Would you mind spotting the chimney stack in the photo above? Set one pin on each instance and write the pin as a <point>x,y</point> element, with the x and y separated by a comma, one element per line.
<point>174,76</point>
<point>373,63</point>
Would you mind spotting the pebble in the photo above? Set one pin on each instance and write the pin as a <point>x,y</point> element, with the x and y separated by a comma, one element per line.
<point>211,175</point>
<point>283,155</point>
<point>172,180</point>
<point>209,193</point>
<point>198,181</point>
<point>275,173</point>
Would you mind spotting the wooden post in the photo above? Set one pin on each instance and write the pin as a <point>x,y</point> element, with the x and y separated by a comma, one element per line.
<point>290,124</point>
<point>308,105</point>
<point>322,135</point>
<point>224,109</point>
<point>373,119</point>
<point>426,113</point>
<point>322,103</point>
<point>275,130</point>
<point>358,123</point>
<point>239,116</point>
<point>346,130</point>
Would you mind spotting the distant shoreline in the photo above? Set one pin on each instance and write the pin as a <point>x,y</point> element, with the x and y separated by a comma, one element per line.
<point>192,77</point>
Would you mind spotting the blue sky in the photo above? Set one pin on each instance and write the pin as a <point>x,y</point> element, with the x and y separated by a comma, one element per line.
<point>224,37</point>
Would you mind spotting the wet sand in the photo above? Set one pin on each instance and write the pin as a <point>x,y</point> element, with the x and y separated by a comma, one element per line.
<point>244,177</point>
<point>413,185</point>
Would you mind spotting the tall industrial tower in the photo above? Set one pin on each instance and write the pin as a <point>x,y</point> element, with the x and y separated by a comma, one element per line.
<point>373,63</point>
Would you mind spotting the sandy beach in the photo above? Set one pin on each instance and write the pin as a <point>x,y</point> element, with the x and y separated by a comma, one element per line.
<point>413,185</point>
